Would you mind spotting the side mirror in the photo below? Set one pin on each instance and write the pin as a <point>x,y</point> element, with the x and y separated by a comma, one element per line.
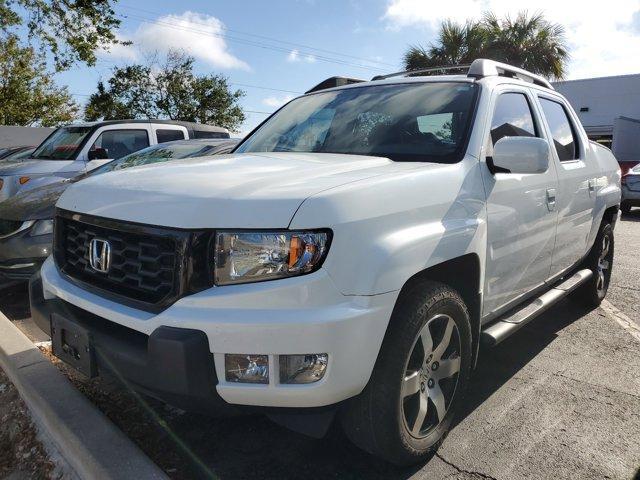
<point>98,154</point>
<point>521,155</point>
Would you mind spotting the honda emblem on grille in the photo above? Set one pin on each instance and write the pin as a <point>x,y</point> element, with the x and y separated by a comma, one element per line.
<point>100,255</point>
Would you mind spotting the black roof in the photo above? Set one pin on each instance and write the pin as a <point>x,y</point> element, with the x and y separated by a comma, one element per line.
<point>195,130</point>
<point>203,127</point>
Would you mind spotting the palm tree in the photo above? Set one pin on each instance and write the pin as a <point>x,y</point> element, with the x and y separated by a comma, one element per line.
<point>529,42</point>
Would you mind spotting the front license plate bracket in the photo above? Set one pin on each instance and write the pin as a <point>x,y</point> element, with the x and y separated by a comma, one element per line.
<point>72,344</point>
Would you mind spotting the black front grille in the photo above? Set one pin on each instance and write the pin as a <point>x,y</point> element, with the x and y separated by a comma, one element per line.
<point>8,226</point>
<point>150,266</point>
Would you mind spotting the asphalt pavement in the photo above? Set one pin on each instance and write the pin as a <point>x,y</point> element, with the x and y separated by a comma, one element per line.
<point>560,399</point>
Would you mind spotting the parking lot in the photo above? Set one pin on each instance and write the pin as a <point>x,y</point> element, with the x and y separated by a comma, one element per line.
<point>560,399</point>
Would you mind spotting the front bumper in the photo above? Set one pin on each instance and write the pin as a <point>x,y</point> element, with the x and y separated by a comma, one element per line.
<point>292,316</point>
<point>172,364</point>
<point>22,255</point>
<point>630,197</point>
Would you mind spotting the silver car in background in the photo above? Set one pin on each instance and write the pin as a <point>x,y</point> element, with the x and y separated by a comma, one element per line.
<point>26,219</point>
<point>630,184</point>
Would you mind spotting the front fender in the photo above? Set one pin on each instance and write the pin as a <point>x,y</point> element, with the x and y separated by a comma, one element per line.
<point>387,229</point>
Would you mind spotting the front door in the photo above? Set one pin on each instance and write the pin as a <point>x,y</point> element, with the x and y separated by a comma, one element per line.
<point>521,214</point>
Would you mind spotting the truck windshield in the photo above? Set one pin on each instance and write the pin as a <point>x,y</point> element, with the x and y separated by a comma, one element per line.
<point>403,122</point>
<point>63,144</point>
<point>162,152</point>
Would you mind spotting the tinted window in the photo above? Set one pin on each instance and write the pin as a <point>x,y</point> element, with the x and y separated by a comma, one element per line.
<point>169,135</point>
<point>561,129</point>
<point>209,134</point>
<point>512,117</point>
<point>408,122</point>
<point>119,143</point>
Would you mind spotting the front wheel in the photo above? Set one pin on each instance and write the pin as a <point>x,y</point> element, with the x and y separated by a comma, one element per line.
<point>421,374</point>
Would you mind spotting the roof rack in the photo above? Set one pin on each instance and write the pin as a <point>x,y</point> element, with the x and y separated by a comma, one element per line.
<point>409,73</point>
<point>334,82</point>
<point>486,68</point>
<point>480,68</point>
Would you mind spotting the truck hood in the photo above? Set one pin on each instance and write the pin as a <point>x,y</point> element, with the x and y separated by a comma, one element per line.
<point>261,190</point>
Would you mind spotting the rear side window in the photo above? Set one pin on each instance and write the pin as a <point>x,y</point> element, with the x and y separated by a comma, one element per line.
<point>169,135</point>
<point>209,134</point>
<point>119,143</point>
<point>512,117</point>
<point>562,131</point>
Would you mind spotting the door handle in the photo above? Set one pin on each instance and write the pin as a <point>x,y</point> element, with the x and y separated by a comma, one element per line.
<point>592,185</point>
<point>551,199</point>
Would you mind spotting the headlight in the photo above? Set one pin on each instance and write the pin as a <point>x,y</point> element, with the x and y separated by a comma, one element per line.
<point>243,257</point>
<point>42,227</point>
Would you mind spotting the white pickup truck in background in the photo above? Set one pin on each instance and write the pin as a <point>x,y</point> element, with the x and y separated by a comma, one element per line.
<point>75,149</point>
<point>345,262</point>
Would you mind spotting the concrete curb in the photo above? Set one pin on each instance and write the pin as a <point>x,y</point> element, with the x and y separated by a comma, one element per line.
<point>92,445</point>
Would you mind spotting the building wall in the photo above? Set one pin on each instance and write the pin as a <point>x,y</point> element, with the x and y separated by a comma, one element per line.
<point>607,98</point>
<point>626,139</point>
<point>18,136</point>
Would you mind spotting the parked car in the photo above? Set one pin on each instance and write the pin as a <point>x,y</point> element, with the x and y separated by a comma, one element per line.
<point>79,148</point>
<point>631,189</point>
<point>345,262</point>
<point>10,153</point>
<point>19,156</point>
<point>26,219</point>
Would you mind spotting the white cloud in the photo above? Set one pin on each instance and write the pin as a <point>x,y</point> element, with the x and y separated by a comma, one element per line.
<point>601,37</point>
<point>296,56</point>
<point>276,102</point>
<point>196,33</point>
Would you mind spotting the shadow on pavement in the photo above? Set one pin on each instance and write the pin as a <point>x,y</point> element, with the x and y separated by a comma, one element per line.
<point>192,446</point>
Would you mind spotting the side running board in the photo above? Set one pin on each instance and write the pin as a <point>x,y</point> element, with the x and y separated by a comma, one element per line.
<point>517,318</point>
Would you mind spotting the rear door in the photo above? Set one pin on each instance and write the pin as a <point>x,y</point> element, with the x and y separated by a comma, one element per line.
<point>576,193</point>
<point>521,217</point>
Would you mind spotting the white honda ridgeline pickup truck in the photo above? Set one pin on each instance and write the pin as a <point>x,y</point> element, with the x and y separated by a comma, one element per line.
<point>345,262</point>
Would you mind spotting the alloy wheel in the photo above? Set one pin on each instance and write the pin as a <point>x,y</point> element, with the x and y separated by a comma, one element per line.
<point>604,264</point>
<point>431,376</point>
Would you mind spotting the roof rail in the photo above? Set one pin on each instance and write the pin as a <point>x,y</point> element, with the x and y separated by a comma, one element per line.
<point>486,68</point>
<point>334,82</point>
<point>408,73</point>
<point>479,68</point>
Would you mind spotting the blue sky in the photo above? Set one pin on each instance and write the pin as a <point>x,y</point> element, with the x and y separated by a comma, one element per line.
<point>309,40</point>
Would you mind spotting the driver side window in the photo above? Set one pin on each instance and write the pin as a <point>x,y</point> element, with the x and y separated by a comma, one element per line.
<point>512,117</point>
<point>119,143</point>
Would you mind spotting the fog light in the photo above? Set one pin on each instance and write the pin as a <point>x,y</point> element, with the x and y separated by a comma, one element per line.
<point>306,368</point>
<point>246,368</point>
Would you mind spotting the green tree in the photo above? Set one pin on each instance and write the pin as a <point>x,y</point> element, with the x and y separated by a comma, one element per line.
<point>529,42</point>
<point>70,31</point>
<point>28,95</point>
<point>170,89</point>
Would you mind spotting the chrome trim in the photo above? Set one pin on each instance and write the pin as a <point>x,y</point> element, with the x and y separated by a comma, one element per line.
<point>25,226</point>
<point>16,266</point>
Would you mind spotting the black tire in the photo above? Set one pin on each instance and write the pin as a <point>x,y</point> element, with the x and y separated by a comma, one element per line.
<point>378,419</point>
<point>595,289</point>
<point>625,208</point>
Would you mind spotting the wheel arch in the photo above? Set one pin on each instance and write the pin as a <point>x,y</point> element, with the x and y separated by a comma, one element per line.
<point>463,275</point>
